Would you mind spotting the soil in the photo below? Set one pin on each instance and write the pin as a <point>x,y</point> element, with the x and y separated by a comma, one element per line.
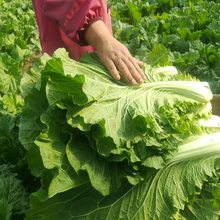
<point>216,104</point>
<point>29,61</point>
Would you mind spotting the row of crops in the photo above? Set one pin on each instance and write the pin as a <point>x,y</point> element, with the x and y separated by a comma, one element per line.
<point>18,44</point>
<point>181,33</point>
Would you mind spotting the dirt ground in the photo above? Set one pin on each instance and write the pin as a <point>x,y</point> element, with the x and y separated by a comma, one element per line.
<point>29,61</point>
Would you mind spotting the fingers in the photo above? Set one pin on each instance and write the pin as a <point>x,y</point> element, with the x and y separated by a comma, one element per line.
<point>129,68</point>
<point>129,71</point>
<point>112,69</point>
<point>140,63</point>
<point>116,57</point>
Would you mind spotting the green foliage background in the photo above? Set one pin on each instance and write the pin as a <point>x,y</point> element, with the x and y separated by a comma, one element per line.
<point>19,38</point>
<point>185,33</point>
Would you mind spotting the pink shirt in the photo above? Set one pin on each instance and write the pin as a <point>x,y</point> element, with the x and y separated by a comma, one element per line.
<point>63,23</point>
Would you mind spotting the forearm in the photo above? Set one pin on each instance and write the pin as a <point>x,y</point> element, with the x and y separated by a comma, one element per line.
<point>97,34</point>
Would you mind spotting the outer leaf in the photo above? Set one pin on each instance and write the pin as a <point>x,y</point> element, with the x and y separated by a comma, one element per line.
<point>104,175</point>
<point>51,140</point>
<point>6,209</point>
<point>31,126</point>
<point>160,196</point>
<point>204,204</point>
<point>65,179</point>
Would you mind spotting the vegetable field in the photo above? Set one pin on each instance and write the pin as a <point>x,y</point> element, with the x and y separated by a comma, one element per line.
<point>77,145</point>
<point>181,33</point>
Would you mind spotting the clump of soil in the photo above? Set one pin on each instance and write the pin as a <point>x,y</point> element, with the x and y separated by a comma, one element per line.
<point>29,61</point>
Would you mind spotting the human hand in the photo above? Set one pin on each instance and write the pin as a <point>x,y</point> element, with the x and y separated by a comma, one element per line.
<point>114,55</point>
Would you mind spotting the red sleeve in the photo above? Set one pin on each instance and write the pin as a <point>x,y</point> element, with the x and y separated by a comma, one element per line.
<point>73,17</point>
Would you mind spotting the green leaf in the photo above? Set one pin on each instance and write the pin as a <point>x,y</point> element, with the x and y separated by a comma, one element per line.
<point>11,104</point>
<point>51,140</point>
<point>204,204</point>
<point>6,209</point>
<point>11,150</point>
<point>160,196</point>
<point>14,199</point>
<point>31,126</point>
<point>158,56</point>
<point>65,179</point>
<point>104,176</point>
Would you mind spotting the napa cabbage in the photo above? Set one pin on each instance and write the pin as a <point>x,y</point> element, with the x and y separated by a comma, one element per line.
<point>106,150</point>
